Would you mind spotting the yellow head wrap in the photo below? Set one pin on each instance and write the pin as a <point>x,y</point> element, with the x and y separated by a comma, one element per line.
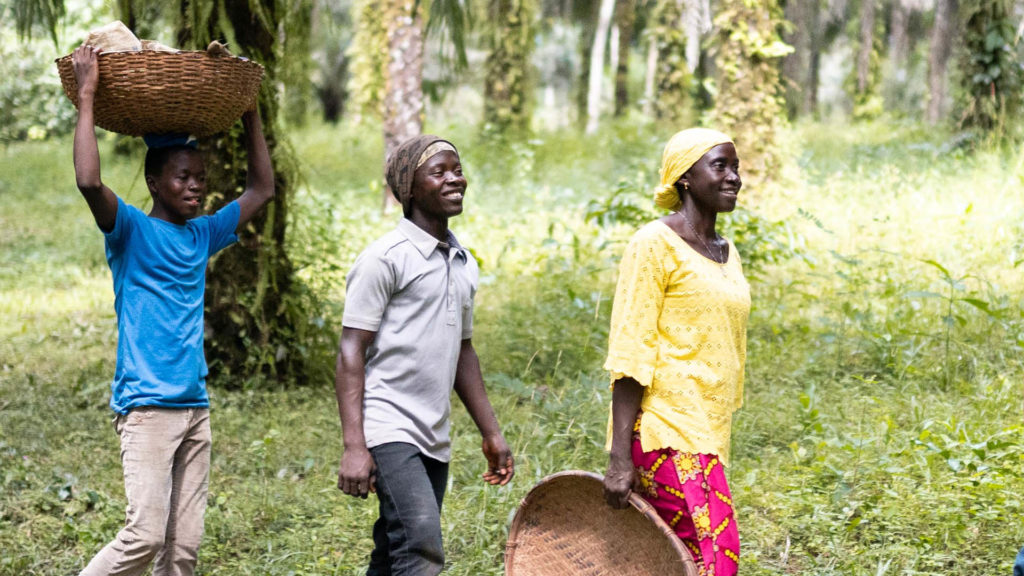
<point>682,152</point>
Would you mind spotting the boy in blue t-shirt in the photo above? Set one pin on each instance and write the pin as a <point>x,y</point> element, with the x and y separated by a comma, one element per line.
<point>158,262</point>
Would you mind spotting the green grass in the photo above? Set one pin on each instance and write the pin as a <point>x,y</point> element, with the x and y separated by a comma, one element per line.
<point>881,431</point>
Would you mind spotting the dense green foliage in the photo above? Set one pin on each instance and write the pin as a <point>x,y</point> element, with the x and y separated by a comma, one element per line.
<point>991,69</point>
<point>32,105</point>
<point>881,428</point>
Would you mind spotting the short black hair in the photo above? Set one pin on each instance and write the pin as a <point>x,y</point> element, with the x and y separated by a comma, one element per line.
<point>156,158</point>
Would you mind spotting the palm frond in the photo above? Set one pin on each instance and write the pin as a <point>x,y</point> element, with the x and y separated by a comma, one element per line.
<point>32,15</point>
<point>450,19</point>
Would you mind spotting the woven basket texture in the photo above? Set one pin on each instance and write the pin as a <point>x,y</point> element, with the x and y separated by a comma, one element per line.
<point>166,92</point>
<point>564,527</point>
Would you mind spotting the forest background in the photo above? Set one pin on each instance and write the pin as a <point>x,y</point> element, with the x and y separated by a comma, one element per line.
<point>881,227</point>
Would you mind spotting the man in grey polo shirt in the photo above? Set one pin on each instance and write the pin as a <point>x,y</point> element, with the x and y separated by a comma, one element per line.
<point>405,344</point>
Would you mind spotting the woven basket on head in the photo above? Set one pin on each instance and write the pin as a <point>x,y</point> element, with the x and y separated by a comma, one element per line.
<point>165,92</point>
<point>564,527</point>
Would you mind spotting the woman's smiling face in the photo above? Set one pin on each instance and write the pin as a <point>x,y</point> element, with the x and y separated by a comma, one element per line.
<point>714,181</point>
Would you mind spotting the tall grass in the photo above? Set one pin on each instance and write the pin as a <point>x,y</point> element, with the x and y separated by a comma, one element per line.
<point>881,431</point>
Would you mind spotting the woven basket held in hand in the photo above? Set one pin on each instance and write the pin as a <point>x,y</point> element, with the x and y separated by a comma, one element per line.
<point>564,527</point>
<point>163,92</point>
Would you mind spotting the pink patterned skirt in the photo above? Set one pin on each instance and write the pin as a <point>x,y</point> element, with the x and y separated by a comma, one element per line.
<point>690,493</point>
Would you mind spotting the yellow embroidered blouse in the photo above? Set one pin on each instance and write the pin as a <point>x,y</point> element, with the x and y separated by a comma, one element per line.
<point>679,328</point>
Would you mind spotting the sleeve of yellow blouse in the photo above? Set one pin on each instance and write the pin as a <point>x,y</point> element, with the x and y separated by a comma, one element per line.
<point>639,294</point>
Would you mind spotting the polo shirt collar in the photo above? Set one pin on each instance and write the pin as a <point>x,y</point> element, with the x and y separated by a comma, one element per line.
<point>425,243</point>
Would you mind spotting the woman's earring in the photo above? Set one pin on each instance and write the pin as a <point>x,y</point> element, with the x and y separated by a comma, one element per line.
<point>686,186</point>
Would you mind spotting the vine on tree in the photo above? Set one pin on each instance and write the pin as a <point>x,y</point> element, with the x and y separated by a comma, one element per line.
<point>749,104</point>
<point>991,69</point>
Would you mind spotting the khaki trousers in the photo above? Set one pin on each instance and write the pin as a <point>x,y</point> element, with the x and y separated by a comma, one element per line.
<point>165,454</point>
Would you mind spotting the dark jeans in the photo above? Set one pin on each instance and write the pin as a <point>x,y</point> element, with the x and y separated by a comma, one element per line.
<point>407,536</point>
<point>1018,566</point>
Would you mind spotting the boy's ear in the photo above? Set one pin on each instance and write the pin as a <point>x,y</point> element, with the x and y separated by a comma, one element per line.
<point>151,184</point>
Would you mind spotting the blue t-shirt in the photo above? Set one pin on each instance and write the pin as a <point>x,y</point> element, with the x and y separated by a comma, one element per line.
<point>159,271</point>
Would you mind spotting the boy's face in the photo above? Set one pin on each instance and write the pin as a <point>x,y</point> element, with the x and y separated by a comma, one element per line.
<point>438,186</point>
<point>180,187</point>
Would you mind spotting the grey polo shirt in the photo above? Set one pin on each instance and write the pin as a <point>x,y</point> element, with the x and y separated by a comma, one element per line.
<point>419,301</point>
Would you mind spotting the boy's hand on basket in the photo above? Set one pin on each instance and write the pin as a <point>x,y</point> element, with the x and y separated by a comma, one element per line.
<point>500,467</point>
<point>87,72</point>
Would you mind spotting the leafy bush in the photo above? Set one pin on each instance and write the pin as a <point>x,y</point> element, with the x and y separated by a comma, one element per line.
<point>32,102</point>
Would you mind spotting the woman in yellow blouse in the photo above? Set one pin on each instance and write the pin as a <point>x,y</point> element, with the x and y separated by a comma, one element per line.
<point>676,351</point>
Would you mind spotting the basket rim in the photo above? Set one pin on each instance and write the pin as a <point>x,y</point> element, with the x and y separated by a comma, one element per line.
<point>165,54</point>
<point>635,501</point>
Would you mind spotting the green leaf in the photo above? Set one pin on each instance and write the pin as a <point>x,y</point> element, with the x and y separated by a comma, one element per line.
<point>994,40</point>
<point>979,304</point>
<point>941,268</point>
<point>451,17</point>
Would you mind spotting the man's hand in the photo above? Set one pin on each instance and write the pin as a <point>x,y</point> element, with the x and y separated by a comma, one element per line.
<point>87,70</point>
<point>618,482</point>
<point>357,473</point>
<point>500,467</point>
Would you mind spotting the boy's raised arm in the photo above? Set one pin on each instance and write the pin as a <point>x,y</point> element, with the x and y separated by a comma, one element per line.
<point>469,385</point>
<point>259,179</point>
<point>102,201</point>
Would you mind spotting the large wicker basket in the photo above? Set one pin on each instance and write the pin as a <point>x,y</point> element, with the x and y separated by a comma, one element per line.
<point>563,527</point>
<point>166,92</point>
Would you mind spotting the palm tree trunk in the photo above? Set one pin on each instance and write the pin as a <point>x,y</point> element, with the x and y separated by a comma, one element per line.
<point>246,286</point>
<point>403,95</point>
<point>507,82</point>
<point>867,43</point>
<point>899,42</point>
<point>795,66</point>
<point>938,58</point>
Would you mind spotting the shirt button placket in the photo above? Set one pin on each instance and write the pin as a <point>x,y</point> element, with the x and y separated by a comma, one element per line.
<point>450,293</point>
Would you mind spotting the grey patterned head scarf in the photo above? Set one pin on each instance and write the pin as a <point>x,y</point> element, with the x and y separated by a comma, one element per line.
<point>401,166</point>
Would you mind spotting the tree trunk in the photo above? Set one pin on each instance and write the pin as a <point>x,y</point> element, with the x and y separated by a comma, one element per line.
<point>368,54</point>
<point>810,101</point>
<point>588,13</point>
<point>938,58</point>
<point>403,97</point>
<point>899,41</point>
<point>697,16</point>
<point>748,104</point>
<point>613,52</point>
<point>649,76</point>
<point>817,46</point>
<point>989,98</point>
<point>867,44</point>
<point>795,66</point>
<point>250,328</point>
<point>507,86</point>
<point>596,78</point>
<point>625,15</point>
<point>673,79</point>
